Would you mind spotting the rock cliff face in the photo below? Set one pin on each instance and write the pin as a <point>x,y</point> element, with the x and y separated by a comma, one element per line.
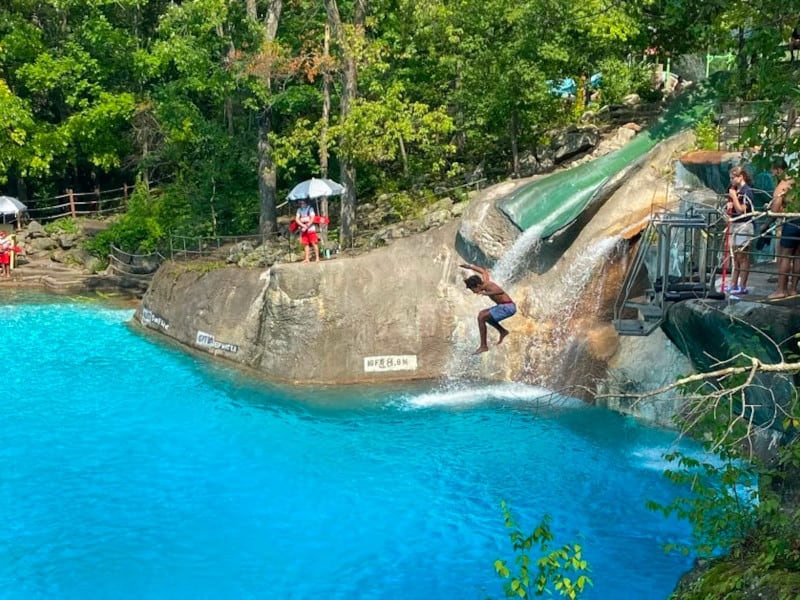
<point>402,312</point>
<point>385,315</point>
<point>714,333</point>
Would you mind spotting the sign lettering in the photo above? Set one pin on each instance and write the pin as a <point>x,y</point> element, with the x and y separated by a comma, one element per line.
<point>382,364</point>
<point>149,317</point>
<point>207,340</point>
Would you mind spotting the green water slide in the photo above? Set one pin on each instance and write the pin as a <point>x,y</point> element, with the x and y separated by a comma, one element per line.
<point>555,201</point>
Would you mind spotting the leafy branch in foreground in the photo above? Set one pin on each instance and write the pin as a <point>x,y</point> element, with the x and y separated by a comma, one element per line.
<point>723,396</point>
<point>551,570</point>
<point>720,505</point>
<point>745,519</point>
<point>743,503</point>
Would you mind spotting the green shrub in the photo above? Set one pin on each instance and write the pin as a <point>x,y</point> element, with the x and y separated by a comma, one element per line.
<point>548,571</point>
<point>617,82</point>
<point>707,133</point>
<point>63,225</point>
<point>137,231</point>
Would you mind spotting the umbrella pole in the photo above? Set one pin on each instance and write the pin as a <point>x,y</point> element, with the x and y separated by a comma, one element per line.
<point>324,226</point>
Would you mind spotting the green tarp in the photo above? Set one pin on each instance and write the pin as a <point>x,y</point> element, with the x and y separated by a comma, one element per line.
<point>553,202</point>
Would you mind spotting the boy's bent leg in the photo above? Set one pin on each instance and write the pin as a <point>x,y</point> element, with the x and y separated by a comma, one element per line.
<point>501,330</point>
<point>482,318</point>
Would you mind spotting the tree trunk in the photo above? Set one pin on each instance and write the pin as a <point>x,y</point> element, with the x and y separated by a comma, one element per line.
<point>230,57</point>
<point>267,180</point>
<point>403,156</point>
<point>514,131</point>
<point>326,104</point>
<point>323,134</point>
<point>267,174</point>
<point>349,91</point>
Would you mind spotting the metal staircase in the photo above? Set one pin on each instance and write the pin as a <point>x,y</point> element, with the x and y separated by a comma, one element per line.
<point>677,259</point>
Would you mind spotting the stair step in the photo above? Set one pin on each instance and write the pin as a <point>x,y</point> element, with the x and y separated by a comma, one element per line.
<point>648,312</point>
<point>634,327</point>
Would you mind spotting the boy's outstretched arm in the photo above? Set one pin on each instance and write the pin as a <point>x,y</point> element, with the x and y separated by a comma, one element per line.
<point>479,270</point>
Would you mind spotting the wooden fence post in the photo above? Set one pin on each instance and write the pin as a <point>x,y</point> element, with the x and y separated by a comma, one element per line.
<point>124,195</point>
<point>71,203</point>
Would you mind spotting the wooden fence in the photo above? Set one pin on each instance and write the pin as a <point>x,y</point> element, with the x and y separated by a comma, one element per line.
<point>98,203</point>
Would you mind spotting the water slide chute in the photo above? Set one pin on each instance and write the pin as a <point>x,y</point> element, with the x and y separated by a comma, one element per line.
<point>555,201</point>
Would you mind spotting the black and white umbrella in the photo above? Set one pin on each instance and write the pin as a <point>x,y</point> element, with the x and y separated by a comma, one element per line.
<point>315,188</point>
<point>11,208</point>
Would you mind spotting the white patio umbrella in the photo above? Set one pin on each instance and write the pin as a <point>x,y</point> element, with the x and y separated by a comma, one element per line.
<point>315,188</point>
<point>11,207</point>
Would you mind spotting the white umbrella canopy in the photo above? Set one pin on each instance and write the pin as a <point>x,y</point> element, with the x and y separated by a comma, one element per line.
<point>315,188</point>
<point>11,207</point>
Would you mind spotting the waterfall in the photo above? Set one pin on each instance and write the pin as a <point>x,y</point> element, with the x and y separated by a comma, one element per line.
<point>507,269</point>
<point>553,302</point>
<point>547,303</point>
<point>578,277</point>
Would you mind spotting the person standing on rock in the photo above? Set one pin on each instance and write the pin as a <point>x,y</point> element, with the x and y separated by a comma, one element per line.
<point>504,305</point>
<point>789,245</point>
<point>308,231</point>
<point>740,209</point>
<point>6,247</point>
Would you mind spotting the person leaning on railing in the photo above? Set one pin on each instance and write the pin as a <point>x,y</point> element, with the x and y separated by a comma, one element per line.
<point>789,245</point>
<point>740,209</point>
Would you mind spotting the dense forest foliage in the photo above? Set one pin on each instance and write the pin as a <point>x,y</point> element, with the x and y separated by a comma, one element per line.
<point>222,105</point>
<point>215,108</point>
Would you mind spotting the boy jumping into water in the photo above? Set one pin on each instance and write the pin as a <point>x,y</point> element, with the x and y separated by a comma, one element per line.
<point>504,305</point>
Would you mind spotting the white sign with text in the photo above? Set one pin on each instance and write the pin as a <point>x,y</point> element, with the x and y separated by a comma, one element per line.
<point>207,340</point>
<point>380,364</point>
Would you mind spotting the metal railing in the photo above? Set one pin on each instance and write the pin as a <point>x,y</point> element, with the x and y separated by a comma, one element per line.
<point>689,254</point>
<point>139,266</point>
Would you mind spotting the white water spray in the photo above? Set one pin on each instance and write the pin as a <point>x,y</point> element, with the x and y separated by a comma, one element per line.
<point>455,396</point>
<point>578,276</point>
<point>526,245</point>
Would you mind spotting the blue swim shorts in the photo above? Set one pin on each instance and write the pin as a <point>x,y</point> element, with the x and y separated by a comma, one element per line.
<point>502,311</point>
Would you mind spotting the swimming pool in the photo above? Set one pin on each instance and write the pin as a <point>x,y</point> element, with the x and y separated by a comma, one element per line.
<point>131,469</point>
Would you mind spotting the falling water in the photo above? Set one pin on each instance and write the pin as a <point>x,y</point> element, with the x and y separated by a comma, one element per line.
<point>553,302</point>
<point>527,245</point>
<point>577,278</point>
<point>554,305</point>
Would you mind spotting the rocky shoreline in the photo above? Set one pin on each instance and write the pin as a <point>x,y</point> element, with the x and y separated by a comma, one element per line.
<point>56,263</point>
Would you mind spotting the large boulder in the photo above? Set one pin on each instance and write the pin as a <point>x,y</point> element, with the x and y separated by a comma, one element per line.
<point>406,303</point>
<point>573,141</point>
<point>714,334</point>
<point>388,314</point>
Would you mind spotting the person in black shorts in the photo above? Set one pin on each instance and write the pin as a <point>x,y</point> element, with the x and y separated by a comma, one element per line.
<point>789,246</point>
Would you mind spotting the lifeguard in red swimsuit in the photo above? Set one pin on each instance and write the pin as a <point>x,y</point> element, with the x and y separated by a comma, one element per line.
<point>305,218</point>
<point>6,247</point>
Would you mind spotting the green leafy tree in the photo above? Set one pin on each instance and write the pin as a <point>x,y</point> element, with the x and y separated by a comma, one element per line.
<point>743,504</point>
<point>561,569</point>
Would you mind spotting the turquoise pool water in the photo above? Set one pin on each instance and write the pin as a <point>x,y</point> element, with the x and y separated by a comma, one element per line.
<point>133,470</point>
